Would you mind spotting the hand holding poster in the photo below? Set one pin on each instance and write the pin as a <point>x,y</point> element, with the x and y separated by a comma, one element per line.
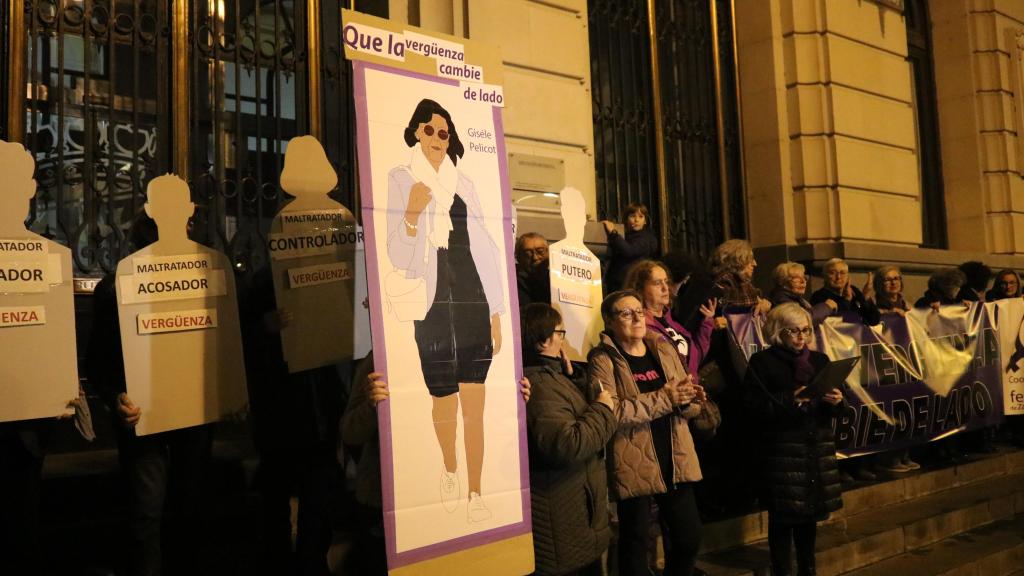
<point>179,322</point>
<point>37,311</point>
<point>576,280</point>
<point>436,210</point>
<point>312,249</point>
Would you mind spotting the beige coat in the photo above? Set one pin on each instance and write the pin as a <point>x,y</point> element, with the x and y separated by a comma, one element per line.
<point>633,468</point>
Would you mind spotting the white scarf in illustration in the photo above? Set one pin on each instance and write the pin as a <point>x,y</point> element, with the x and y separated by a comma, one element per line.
<point>442,185</point>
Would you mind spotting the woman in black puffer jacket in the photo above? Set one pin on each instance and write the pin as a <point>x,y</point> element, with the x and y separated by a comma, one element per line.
<point>568,426</point>
<point>799,473</point>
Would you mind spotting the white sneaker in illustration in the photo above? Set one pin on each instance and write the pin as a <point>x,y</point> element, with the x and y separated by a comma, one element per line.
<point>450,492</point>
<point>477,511</point>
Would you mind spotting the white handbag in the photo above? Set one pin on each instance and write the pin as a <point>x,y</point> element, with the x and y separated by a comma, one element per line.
<point>407,297</point>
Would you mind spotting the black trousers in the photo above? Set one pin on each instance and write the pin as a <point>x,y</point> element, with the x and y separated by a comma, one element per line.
<point>782,538</point>
<point>311,473</point>
<point>20,472</point>
<point>166,472</point>
<point>679,518</point>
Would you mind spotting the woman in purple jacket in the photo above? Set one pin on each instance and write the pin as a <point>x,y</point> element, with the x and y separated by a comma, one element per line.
<point>650,279</point>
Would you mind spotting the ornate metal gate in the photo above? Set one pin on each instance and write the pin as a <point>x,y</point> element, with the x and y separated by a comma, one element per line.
<point>675,148</point>
<point>107,94</point>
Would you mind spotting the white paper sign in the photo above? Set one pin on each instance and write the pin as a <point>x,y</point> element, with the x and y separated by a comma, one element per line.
<point>22,316</point>
<point>177,321</point>
<point>39,374</point>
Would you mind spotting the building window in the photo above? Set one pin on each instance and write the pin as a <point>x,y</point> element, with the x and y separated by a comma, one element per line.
<point>929,156</point>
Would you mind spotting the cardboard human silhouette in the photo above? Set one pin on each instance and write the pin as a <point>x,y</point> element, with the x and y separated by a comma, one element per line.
<point>312,249</point>
<point>576,279</point>
<point>39,372</point>
<point>179,322</point>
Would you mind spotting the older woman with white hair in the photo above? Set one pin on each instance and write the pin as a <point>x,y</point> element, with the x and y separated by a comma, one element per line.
<point>791,286</point>
<point>841,295</point>
<point>800,476</point>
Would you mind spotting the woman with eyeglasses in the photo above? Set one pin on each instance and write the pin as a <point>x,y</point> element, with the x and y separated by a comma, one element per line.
<point>652,453</point>
<point>651,280</point>
<point>888,284</point>
<point>791,286</point>
<point>800,478</point>
<point>444,256</point>
<point>568,425</point>
<point>1007,285</point>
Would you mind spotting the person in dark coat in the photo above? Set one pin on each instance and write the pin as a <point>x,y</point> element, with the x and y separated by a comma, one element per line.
<point>943,289</point>
<point>1007,285</point>
<point>791,285</point>
<point>977,275</point>
<point>842,296</point>
<point>638,243</point>
<point>799,471</point>
<point>568,426</point>
<point>533,278</point>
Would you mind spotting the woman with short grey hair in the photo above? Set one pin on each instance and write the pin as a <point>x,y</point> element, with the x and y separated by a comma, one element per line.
<point>791,286</point>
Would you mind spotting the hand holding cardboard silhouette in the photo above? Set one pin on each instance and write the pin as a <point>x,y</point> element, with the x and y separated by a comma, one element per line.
<point>38,364</point>
<point>179,322</point>
<point>576,279</point>
<point>312,247</point>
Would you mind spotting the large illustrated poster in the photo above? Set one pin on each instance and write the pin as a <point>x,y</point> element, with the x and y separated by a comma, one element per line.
<point>312,249</point>
<point>179,322</point>
<point>437,218</point>
<point>575,274</point>
<point>39,374</point>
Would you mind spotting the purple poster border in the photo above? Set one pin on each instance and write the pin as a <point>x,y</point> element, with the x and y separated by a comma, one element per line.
<point>398,559</point>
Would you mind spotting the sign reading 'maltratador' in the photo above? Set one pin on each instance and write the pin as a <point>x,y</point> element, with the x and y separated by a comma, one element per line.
<point>179,322</point>
<point>312,249</point>
<point>37,312</point>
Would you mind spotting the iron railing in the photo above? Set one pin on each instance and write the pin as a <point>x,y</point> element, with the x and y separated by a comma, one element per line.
<point>697,113</point>
<point>96,118</point>
<point>247,99</point>
<point>623,107</point>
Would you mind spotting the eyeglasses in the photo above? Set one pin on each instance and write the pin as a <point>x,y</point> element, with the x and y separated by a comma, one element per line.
<point>429,131</point>
<point>535,251</point>
<point>627,314</point>
<point>560,333</point>
<point>794,332</point>
<point>838,273</point>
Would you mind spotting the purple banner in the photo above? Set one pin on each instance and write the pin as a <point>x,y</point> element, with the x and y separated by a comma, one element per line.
<point>922,376</point>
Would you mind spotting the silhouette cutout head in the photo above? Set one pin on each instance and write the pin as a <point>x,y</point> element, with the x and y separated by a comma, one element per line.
<point>169,203</point>
<point>307,172</point>
<point>574,214</point>
<point>18,168</point>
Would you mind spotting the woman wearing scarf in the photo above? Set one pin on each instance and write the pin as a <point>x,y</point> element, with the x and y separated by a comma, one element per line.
<point>800,477</point>
<point>437,240</point>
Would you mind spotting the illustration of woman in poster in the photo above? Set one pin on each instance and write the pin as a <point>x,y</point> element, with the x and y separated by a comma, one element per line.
<point>448,268</point>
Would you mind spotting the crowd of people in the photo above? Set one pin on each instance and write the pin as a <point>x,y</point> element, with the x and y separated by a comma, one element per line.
<point>680,411</point>
<point>623,439</point>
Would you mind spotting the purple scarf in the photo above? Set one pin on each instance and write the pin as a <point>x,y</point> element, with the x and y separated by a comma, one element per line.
<point>803,372</point>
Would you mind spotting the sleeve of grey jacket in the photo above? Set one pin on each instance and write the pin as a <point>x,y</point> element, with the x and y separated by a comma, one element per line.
<point>629,410</point>
<point>561,437</point>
